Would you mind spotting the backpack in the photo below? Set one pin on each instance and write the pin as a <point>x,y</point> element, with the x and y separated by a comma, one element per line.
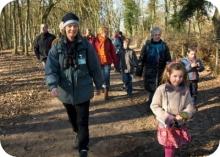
<point>140,67</point>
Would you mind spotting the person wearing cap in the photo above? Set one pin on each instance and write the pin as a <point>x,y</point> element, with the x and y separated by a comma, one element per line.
<point>71,69</point>
<point>153,58</point>
<point>42,43</point>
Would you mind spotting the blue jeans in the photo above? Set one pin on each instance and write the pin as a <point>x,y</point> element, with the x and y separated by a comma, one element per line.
<point>127,80</point>
<point>193,86</point>
<point>106,75</point>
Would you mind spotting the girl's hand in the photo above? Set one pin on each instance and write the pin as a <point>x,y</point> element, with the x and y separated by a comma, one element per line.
<point>178,117</point>
<point>54,92</point>
<point>170,120</point>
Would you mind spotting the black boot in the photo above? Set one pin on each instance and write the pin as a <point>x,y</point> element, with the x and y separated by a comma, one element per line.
<point>83,153</point>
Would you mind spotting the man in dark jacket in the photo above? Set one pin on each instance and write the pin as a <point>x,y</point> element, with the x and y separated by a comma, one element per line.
<point>71,68</point>
<point>42,43</point>
<point>153,58</point>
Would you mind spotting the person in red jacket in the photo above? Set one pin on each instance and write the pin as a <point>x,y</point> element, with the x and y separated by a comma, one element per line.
<point>107,55</point>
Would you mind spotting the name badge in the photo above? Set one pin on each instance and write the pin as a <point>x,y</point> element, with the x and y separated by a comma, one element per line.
<point>81,60</point>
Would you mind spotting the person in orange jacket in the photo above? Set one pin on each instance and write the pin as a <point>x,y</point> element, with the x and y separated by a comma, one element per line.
<point>106,55</point>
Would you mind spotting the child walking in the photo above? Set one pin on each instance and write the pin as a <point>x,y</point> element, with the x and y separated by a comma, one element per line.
<point>172,105</point>
<point>193,66</point>
<point>128,62</point>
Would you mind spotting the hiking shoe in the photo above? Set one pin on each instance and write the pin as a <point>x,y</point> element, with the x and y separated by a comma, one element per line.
<point>106,96</point>
<point>83,153</point>
<point>123,88</point>
<point>130,97</point>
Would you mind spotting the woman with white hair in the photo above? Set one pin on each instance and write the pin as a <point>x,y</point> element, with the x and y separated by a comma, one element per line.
<point>153,59</point>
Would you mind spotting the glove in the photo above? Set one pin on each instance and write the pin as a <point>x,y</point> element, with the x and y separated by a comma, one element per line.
<point>117,69</point>
<point>139,71</point>
<point>54,92</point>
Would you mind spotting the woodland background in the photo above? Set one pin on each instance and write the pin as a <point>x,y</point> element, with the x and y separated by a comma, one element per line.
<point>182,22</point>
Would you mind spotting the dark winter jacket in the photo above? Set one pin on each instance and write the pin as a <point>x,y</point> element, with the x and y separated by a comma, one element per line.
<point>42,45</point>
<point>153,58</point>
<point>72,68</point>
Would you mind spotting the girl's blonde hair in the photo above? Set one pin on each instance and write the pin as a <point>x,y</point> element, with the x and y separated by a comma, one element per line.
<point>174,66</point>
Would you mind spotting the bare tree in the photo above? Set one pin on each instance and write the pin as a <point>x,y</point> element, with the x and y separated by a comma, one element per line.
<point>5,32</point>
<point>152,5</point>
<point>26,27</point>
<point>15,45</point>
<point>216,24</point>
<point>21,34</point>
<point>48,8</point>
<point>166,14</point>
<point>10,24</point>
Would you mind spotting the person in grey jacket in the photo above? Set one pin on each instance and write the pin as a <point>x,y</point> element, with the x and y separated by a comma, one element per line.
<point>129,62</point>
<point>71,68</point>
<point>193,66</point>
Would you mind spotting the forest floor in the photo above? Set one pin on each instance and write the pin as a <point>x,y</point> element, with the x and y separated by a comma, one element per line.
<point>34,124</point>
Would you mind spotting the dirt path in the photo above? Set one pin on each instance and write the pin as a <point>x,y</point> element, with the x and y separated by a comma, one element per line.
<point>31,125</point>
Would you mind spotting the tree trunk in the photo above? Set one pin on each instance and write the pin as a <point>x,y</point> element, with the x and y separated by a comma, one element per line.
<point>200,29</point>
<point>26,27</point>
<point>166,15</point>
<point>6,42</point>
<point>21,34</point>
<point>10,25</point>
<point>217,59</point>
<point>189,31</point>
<point>174,7</point>
<point>15,50</point>
<point>153,12</point>
<point>47,11</point>
<point>216,24</point>
<point>1,39</point>
<point>182,50</point>
<point>30,36</point>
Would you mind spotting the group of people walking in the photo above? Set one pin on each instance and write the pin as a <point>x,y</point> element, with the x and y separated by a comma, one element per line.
<point>74,62</point>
